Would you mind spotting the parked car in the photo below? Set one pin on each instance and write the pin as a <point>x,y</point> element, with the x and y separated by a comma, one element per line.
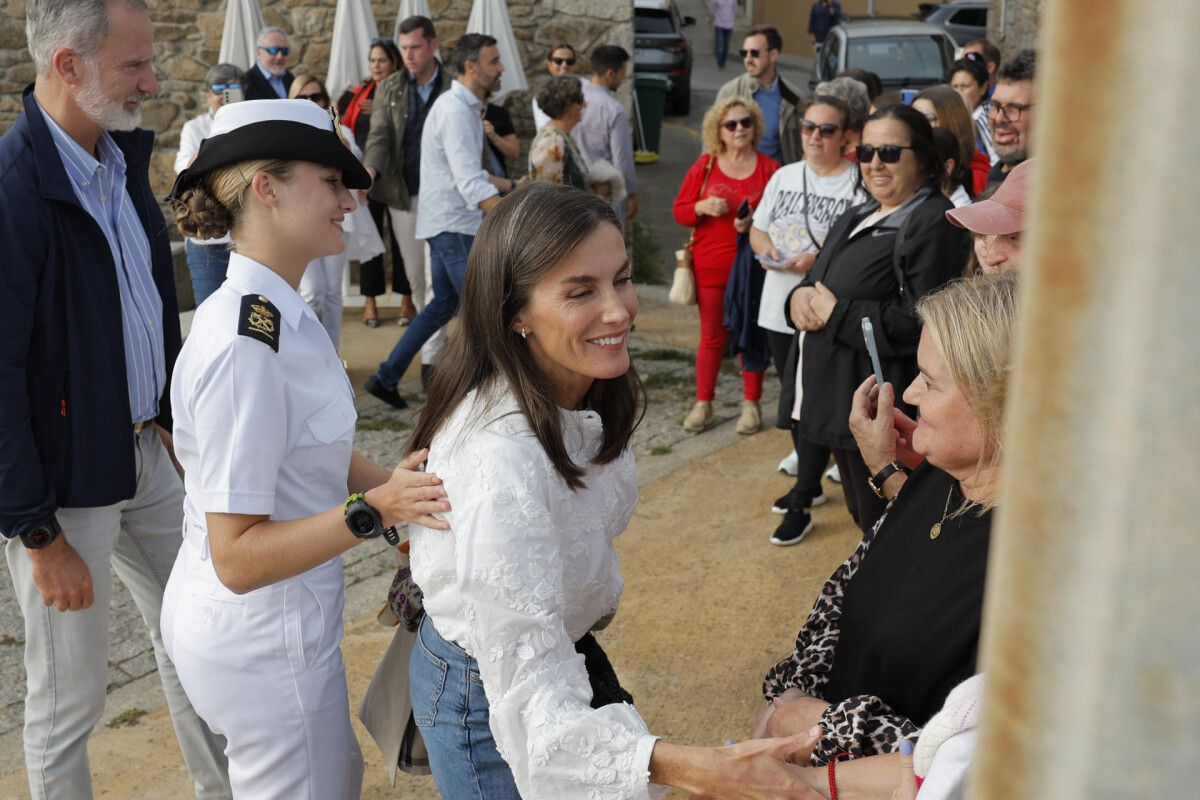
<point>661,46</point>
<point>904,53</point>
<point>964,20</point>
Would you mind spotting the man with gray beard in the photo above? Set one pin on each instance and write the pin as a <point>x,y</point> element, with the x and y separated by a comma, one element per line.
<point>269,78</point>
<point>90,336</point>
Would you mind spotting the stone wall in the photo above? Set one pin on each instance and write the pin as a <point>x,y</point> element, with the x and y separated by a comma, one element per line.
<point>1017,26</point>
<point>188,40</point>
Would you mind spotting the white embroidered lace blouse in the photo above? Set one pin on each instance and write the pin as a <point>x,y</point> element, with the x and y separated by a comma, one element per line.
<point>527,569</point>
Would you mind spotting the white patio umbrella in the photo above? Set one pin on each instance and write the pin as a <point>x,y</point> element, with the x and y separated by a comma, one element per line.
<point>410,8</point>
<point>491,17</point>
<point>243,21</point>
<point>354,27</point>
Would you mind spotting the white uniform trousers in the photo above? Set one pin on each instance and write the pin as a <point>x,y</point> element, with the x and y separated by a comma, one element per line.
<point>265,670</point>
<point>66,653</point>
<point>321,288</point>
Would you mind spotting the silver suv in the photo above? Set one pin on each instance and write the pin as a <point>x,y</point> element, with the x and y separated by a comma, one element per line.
<point>964,20</point>
<point>904,53</point>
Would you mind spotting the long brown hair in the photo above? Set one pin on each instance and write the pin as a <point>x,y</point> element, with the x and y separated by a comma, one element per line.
<point>521,241</point>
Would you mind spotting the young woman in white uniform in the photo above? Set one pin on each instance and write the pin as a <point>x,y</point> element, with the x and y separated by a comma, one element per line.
<point>265,416</point>
<point>530,434</point>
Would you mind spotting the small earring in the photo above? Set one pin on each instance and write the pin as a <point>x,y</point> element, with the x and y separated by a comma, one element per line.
<point>524,333</point>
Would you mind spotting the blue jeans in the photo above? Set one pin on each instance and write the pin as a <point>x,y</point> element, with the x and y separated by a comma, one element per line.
<point>451,710</point>
<point>447,266</point>
<point>721,44</point>
<point>206,264</point>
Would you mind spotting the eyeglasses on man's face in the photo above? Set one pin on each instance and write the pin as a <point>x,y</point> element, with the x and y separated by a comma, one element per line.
<point>275,50</point>
<point>1009,112</point>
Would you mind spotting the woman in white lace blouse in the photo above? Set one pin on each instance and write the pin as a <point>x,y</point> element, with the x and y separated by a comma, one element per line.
<point>528,423</point>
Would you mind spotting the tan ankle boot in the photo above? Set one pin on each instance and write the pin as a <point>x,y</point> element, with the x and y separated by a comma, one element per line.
<point>751,419</point>
<point>699,417</point>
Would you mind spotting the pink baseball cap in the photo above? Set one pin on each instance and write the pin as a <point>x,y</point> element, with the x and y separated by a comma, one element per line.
<point>1004,211</point>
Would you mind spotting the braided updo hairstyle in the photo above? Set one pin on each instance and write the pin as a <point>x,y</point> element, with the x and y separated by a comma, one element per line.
<point>212,207</point>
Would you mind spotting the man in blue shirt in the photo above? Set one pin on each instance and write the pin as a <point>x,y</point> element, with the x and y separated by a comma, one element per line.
<point>780,100</point>
<point>91,331</point>
<point>823,16</point>
<point>269,78</point>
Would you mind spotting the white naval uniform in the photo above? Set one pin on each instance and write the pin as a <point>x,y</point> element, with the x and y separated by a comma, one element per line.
<point>263,432</point>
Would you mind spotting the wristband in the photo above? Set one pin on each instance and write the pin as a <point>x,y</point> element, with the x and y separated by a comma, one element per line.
<point>833,792</point>
<point>877,480</point>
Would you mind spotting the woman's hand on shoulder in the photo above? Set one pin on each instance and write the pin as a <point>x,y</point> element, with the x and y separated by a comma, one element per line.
<point>411,495</point>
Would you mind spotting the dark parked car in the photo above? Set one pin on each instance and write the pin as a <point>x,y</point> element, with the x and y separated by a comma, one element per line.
<point>964,20</point>
<point>904,53</point>
<point>660,45</point>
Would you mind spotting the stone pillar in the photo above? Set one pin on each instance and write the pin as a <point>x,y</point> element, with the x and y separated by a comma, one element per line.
<point>1013,24</point>
<point>1091,645</point>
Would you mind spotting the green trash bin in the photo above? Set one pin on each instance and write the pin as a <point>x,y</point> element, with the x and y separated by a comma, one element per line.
<point>649,101</point>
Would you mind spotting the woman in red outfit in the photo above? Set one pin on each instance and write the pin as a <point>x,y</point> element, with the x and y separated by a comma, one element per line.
<point>727,172</point>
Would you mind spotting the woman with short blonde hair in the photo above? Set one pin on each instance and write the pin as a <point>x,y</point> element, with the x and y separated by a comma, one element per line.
<point>728,173</point>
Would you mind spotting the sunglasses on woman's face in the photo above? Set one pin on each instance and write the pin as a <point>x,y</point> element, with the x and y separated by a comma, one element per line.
<point>827,129</point>
<point>888,153</point>
<point>732,125</point>
<point>559,61</point>
<point>218,88</point>
<point>316,97</point>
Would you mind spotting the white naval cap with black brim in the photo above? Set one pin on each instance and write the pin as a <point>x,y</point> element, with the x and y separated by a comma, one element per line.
<point>293,130</point>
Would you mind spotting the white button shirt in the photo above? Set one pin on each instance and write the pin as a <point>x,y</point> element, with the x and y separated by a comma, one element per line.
<point>528,568</point>
<point>453,180</point>
<point>259,431</point>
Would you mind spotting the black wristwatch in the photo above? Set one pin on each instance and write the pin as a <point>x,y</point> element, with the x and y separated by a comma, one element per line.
<point>877,480</point>
<point>41,536</point>
<point>365,522</point>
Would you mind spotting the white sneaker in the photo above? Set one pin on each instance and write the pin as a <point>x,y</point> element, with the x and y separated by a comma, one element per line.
<point>790,465</point>
<point>833,474</point>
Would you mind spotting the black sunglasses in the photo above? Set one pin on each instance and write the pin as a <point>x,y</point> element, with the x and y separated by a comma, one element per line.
<point>318,97</point>
<point>560,61</point>
<point>827,129</point>
<point>217,88</point>
<point>732,125</point>
<point>275,50</point>
<point>888,153</point>
<point>752,53</point>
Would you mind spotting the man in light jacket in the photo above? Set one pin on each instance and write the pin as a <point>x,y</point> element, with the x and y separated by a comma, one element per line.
<point>780,100</point>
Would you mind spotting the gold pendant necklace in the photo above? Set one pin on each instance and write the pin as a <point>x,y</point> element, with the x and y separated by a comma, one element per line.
<point>936,530</point>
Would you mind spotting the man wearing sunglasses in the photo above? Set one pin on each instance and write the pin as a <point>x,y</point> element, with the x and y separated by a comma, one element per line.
<point>779,99</point>
<point>1011,114</point>
<point>269,78</point>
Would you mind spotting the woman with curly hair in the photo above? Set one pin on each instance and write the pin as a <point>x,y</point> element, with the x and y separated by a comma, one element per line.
<point>729,172</point>
<point>553,155</point>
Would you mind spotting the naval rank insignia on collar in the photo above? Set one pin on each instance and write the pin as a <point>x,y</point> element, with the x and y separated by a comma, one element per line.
<point>259,319</point>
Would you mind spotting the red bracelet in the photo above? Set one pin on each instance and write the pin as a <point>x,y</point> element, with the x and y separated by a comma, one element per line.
<point>833,793</point>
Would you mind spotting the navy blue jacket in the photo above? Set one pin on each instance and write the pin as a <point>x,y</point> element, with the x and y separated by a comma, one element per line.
<point>65,429</point>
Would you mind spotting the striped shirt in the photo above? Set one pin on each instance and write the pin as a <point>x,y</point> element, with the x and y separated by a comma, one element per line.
<point>100,188</point>
<point>983,132</point>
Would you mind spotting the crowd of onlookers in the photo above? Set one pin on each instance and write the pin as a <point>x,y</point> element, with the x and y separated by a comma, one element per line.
<point>882,232</point>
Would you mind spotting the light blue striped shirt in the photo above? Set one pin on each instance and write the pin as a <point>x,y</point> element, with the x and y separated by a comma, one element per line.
<point>100,188</point>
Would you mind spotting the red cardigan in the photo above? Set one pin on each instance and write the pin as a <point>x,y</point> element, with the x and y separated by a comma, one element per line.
<point>980,167</point>
<point>715,244</point>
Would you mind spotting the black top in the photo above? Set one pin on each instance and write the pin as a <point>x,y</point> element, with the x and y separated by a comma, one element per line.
<point>859,270</point>
<point>911,614</point>
<point>362,125</point>
<point>996,175</point>
<point>502,122</point>
<point>255,85</point>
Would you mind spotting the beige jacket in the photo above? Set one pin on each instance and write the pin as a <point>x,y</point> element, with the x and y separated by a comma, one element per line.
<point>791,108</point>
